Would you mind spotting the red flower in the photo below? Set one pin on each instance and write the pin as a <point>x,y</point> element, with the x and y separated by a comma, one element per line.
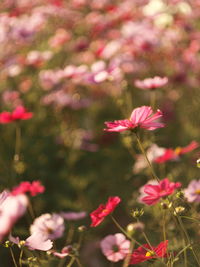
<point>142,117</point>
<point>155,192</point>
<point>141,254</point>
<point>35,188</point>
<point>173,154</point>
<point>98,215</point>
<point>19,113</point>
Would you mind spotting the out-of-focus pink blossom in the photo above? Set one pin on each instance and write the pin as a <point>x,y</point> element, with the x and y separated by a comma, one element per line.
<point>156,192</point>
<point>141,117</point>
<point>33,188</point>
<point>19,113</point>
<point>64,252</point>
<point>192,192</point>
<point>51,226</point>
<point>73,216</point>
<point>115,247</point>
<point>36,58</point>
<point>60,38</point>
<point>174,154</point>
<point>11,209</point>
<point>151,83</point>
<point>35,241</point>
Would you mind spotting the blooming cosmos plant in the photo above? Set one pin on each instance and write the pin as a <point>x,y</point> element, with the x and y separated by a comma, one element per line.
<point>33,188</point>
<point>19,113</point>
<point>115,247</point>
<point>141,117</point>
<point>98,215</point>
<point>154,192</point>
<point>141,254</point>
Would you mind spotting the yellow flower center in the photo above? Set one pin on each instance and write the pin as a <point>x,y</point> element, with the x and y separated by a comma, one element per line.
<point>104,211</point>
<point>149,253</point>
<point>197,192</point>
<point>177,150</point>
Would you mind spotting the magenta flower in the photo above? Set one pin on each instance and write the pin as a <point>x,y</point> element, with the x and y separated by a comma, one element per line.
<point>51,226</point>
<point>151,83</point>
<point>98,215</point>
<point>140,117</point>
<point>33,188</point>
<point>156,192</point>
<point>115,247</point>
<point>19,113</point>
<point>192,192</point>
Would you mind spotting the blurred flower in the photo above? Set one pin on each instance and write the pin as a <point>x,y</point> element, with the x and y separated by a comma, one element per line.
<point>141,190</point>
<point>140,117</point>
<point>35,241</point>
<point>115,247</point>
<point>141,254</point>
<point>60,38</point>
<point>151,83</point>
<point>73,216</point>
<point>33,188</point>
<point>192,192</point>
<point>19,113</point>
<point>51,226</point>
<point>11,209</point>
<point>173,154</point>
<point>36,58</point>
<point>98,215</point>
<point>64,252</point>
<point>155,192</point>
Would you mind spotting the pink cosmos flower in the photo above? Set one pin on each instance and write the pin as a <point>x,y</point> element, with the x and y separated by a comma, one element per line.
<point>192,192</point>
<point>73,216</point>
<point>19,113</point>
<point>140,117</point>
<point>151,83</point>
<point>51,226</point>
<point>11,209</point>
<point>156,192</point>
<point>141,254</point>
<point>98,215</point>
<point>35,241</point>
<point>174,154</point>
<point>33,188</point>
<point>115,247</point>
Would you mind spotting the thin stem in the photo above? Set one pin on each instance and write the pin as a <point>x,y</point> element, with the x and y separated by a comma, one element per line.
<point>78,262</point>
<point>153,99</point>
<point>71,262</point>
<point>154,176</point>
<point>20,257</point>
<point>164,227</point>
<point>127,259</point>
<point>13,257</point>
<point>17,143</point>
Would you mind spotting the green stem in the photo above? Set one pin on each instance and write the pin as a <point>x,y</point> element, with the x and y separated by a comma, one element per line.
<point>13,257</point>
<point>78,262</point>
<point>128,258</point>
<point>71,262</point>
<point>154,176</point>
<point>153,99</point>
<point>20,257</point>
<point>17,143</point>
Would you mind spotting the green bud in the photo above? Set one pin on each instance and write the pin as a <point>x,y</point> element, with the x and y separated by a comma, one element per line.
<point>137,213</point>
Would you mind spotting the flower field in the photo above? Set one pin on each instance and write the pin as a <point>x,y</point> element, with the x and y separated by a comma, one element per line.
<point>99,122</point>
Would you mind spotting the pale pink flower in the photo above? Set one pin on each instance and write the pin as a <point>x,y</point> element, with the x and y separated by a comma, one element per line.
<point>35,241</point>
<point>192,192</point>
<point>11,209</point>
<point>73,216</point>
<point>64,252</point>
<point>151,83</point>
<point>50,225</point>
<point>141,117</point>
<point>115,247</point>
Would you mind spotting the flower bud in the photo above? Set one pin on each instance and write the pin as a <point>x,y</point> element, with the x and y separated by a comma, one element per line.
<point>137,213</point>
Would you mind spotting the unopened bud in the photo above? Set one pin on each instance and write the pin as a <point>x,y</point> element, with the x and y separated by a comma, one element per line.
<point>8,244</point>
<point>82,228</point>
<point>198,163</point>
<point>137,213</point>
<point>166,205</point>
